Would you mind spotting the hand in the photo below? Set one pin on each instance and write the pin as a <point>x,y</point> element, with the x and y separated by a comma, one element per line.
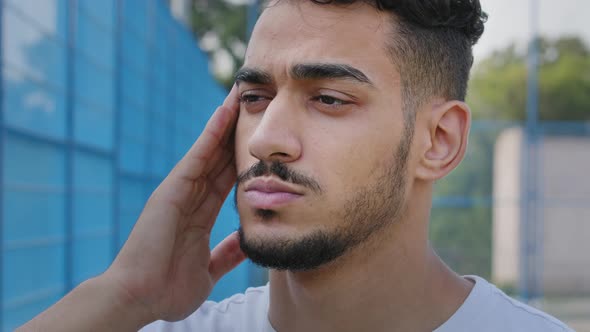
<point>166,265</point>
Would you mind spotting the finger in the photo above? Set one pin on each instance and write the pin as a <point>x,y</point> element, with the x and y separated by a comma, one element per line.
<point>215,135</point>
<point>225,257</point>
<point>228,114</point>
<point>225,179</point>
<point>220,156</point>
<point>224,159</point>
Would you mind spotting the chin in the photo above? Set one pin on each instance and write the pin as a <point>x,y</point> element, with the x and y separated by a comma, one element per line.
<point>258,220</point>
<point>268,229</point>
<point>285,249</point>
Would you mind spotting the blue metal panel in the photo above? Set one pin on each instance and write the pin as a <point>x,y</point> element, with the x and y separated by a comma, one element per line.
<point>93,211</point>
<point>94,77</point>
<point>122,95</point>
<point>134,134</point>
<point>94,32</point>
<point>132,199</point>
<point>135,13</point>
<point>31,136</point>
<point>34,224</point>
<point>42,59</point>
<point>101,11</point>
<point>43,15</point>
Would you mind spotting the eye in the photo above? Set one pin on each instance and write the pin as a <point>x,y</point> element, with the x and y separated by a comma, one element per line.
<point>331,101</point>
<point>248,99</point>
<point>254,103</point>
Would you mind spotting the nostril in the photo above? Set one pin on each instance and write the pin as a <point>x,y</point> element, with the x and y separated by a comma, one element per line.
<point>280,157</point>
<point>280,154</point>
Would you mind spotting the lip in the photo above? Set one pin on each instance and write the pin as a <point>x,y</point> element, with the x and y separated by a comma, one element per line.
<point>268,194</point>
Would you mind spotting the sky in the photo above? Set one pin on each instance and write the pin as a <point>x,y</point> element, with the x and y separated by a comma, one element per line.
<point>509,21</point>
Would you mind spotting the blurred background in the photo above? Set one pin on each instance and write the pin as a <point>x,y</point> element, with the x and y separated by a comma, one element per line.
<point>99,99</point>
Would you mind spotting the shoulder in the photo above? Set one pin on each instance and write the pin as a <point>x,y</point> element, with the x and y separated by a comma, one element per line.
<point>241,312</point>
<point>487,308</point>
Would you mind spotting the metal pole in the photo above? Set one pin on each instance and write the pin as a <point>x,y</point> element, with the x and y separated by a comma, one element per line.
<point>69,146</point>
<point>253,12</point>
<point>530,228</point>
<point>117,86</point>
<point>150,91</point>
<point>2,142</point>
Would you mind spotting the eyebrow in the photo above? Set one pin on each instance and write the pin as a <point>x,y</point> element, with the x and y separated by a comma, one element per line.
<point>315,71</point>
<point>306,71</point>
<point>253,76</point>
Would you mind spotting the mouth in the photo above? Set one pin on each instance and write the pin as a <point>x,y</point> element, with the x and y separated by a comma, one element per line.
<point>269,194</point>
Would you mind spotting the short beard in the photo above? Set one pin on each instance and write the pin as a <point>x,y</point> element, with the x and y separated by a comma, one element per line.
<point>301,254</point>
<point>371,209</point>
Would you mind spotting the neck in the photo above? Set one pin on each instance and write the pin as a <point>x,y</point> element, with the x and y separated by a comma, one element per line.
<point>394,282</point>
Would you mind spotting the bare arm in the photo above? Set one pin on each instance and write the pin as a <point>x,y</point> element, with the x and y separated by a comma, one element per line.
<point>92,306</point>
<point>165,269</point>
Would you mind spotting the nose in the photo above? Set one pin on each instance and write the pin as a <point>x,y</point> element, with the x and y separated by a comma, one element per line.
<point>276,137</point>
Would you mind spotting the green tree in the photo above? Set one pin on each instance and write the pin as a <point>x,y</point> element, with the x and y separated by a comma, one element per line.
<point>498,84</point>
<point>461,225</point>
<point>222,28</point>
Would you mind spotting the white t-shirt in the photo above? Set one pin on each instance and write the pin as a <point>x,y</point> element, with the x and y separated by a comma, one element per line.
<point>486,309</point>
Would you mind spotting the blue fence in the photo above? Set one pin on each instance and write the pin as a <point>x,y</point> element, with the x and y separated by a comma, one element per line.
<point>99,100</point>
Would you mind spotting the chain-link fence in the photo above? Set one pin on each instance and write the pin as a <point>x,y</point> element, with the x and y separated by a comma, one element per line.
<point>99,99</point>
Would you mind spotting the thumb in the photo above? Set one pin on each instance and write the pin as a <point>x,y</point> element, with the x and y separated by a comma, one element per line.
<point>225,257</point>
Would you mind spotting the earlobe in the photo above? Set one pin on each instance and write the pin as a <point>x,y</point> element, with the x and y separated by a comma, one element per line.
<point>448,129</point>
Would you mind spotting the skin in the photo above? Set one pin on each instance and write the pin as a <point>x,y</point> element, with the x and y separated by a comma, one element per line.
<point>327,142</point>
<point>392,282</point>
<point>407,286</point>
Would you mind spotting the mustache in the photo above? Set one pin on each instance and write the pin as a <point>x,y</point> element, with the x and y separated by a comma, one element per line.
<point>281,171</point>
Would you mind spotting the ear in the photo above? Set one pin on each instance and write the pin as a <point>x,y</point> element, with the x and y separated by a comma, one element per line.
<point>447,132</point>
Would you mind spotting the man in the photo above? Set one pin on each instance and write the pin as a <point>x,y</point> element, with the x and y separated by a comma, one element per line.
<point>349,111</point>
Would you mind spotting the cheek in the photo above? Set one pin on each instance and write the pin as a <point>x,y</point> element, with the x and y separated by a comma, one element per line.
<point>354,161</point>
<point>336,163</point>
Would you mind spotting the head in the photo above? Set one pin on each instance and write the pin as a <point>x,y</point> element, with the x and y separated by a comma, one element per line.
<point>350,110</point>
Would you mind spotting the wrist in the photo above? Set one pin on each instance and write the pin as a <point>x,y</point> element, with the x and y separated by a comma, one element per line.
<point>132,310</point>
<point>98,304</point>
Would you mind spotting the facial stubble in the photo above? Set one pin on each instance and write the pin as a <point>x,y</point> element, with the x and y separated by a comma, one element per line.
<point>371,209</point>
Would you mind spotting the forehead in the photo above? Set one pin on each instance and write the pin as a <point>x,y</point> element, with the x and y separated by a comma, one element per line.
<point>291,32</point>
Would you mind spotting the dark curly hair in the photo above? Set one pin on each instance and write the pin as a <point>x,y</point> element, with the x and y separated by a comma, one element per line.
<point>431,44</point>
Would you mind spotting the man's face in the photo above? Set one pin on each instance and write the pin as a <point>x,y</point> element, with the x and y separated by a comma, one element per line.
<point>321,146</point>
